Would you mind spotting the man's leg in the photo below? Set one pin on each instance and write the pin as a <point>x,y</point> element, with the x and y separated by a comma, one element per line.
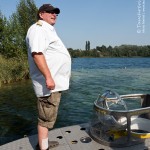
<point>43,137</point>
<point>47,111</point>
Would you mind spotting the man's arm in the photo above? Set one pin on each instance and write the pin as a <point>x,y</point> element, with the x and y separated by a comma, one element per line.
<point>40,61</point>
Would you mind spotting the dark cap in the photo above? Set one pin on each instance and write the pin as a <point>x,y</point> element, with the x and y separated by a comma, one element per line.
<point>48,8</point>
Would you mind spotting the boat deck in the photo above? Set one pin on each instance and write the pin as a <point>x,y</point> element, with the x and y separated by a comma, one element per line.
<point>69,138</point>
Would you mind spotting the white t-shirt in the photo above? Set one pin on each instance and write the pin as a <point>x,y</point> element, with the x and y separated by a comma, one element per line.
<point>42,37</point>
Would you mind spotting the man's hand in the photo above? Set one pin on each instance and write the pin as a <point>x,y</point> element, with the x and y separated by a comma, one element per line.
<point>50,84</point>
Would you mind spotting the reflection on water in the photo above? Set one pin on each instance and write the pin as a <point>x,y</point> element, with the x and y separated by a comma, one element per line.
<point>90,76</point>
<point>17,111</point>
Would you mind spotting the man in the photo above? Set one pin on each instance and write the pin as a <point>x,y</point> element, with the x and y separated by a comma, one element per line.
<point>50,69</point>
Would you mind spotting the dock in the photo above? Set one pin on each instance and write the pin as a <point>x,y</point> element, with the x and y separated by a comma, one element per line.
<point>74,137</point>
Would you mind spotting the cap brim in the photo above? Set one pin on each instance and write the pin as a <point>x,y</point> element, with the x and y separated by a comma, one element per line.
<point>56,10</point>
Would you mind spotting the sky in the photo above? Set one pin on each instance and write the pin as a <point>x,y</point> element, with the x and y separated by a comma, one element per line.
<point>102,22</point>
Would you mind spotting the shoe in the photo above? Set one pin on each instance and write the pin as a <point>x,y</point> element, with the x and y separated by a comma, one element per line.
<point>51,144</point>
<point>37,147</point>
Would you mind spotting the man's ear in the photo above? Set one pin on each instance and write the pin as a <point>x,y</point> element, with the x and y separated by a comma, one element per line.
<point>41,15</point>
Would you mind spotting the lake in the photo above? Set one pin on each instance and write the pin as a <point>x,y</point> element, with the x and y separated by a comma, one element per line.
<point>90,77</point>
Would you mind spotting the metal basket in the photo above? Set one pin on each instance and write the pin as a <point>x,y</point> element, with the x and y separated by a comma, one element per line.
<point>113,124</point>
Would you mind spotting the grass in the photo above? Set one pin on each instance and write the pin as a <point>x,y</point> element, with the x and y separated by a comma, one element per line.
<point>13,69</point>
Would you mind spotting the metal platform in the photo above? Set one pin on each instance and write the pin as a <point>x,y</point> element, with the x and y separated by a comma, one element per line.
<point>70,138</point>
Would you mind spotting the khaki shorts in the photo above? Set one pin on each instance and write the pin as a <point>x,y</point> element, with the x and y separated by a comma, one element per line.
<point>48,109</point>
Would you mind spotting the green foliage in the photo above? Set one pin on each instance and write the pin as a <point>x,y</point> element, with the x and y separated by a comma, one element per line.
<point>13,43</point>
<point>87,45</point>
<point>13,51</point>
<point>3,25</point>
<point>13,69</point>
<point>117,51</point>
<point>10,46</point>
<point>26,14</point>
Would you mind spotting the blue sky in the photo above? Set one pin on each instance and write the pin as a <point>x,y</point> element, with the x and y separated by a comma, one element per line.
<point>102,22</point>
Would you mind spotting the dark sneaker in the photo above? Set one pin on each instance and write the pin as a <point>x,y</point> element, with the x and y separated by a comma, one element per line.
<point>37,147</point>
<point>52,144</point>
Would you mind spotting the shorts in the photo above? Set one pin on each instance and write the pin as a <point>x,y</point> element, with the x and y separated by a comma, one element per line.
<point>48,109</point>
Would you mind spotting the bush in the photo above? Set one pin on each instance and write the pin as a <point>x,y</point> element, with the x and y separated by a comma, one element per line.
<point>13,69</point>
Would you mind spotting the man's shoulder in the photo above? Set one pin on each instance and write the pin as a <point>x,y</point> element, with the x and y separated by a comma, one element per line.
<point>39,23</point>
<point>36,25</point>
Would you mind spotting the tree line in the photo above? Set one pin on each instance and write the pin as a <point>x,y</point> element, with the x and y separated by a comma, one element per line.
<point>117,51</point>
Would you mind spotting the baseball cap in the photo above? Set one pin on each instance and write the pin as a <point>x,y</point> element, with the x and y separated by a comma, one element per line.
<point>48,8</point>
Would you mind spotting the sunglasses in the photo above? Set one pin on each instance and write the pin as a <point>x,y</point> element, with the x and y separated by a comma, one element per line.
<point>51,12</point>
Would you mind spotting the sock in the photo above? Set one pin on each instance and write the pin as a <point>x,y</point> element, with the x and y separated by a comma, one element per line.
<point>44,144</point>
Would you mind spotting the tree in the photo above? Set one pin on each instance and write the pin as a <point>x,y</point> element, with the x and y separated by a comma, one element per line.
<point>87,45</point>
<point>86,48</point>
<point>3,24</point>
<point>13,44</point>
<point>26,15</point>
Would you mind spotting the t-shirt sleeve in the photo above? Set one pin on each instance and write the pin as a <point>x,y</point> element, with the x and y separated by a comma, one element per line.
<point>37,40</point>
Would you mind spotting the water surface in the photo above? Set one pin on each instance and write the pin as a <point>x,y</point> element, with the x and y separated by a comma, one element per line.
<point>90,77</point>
